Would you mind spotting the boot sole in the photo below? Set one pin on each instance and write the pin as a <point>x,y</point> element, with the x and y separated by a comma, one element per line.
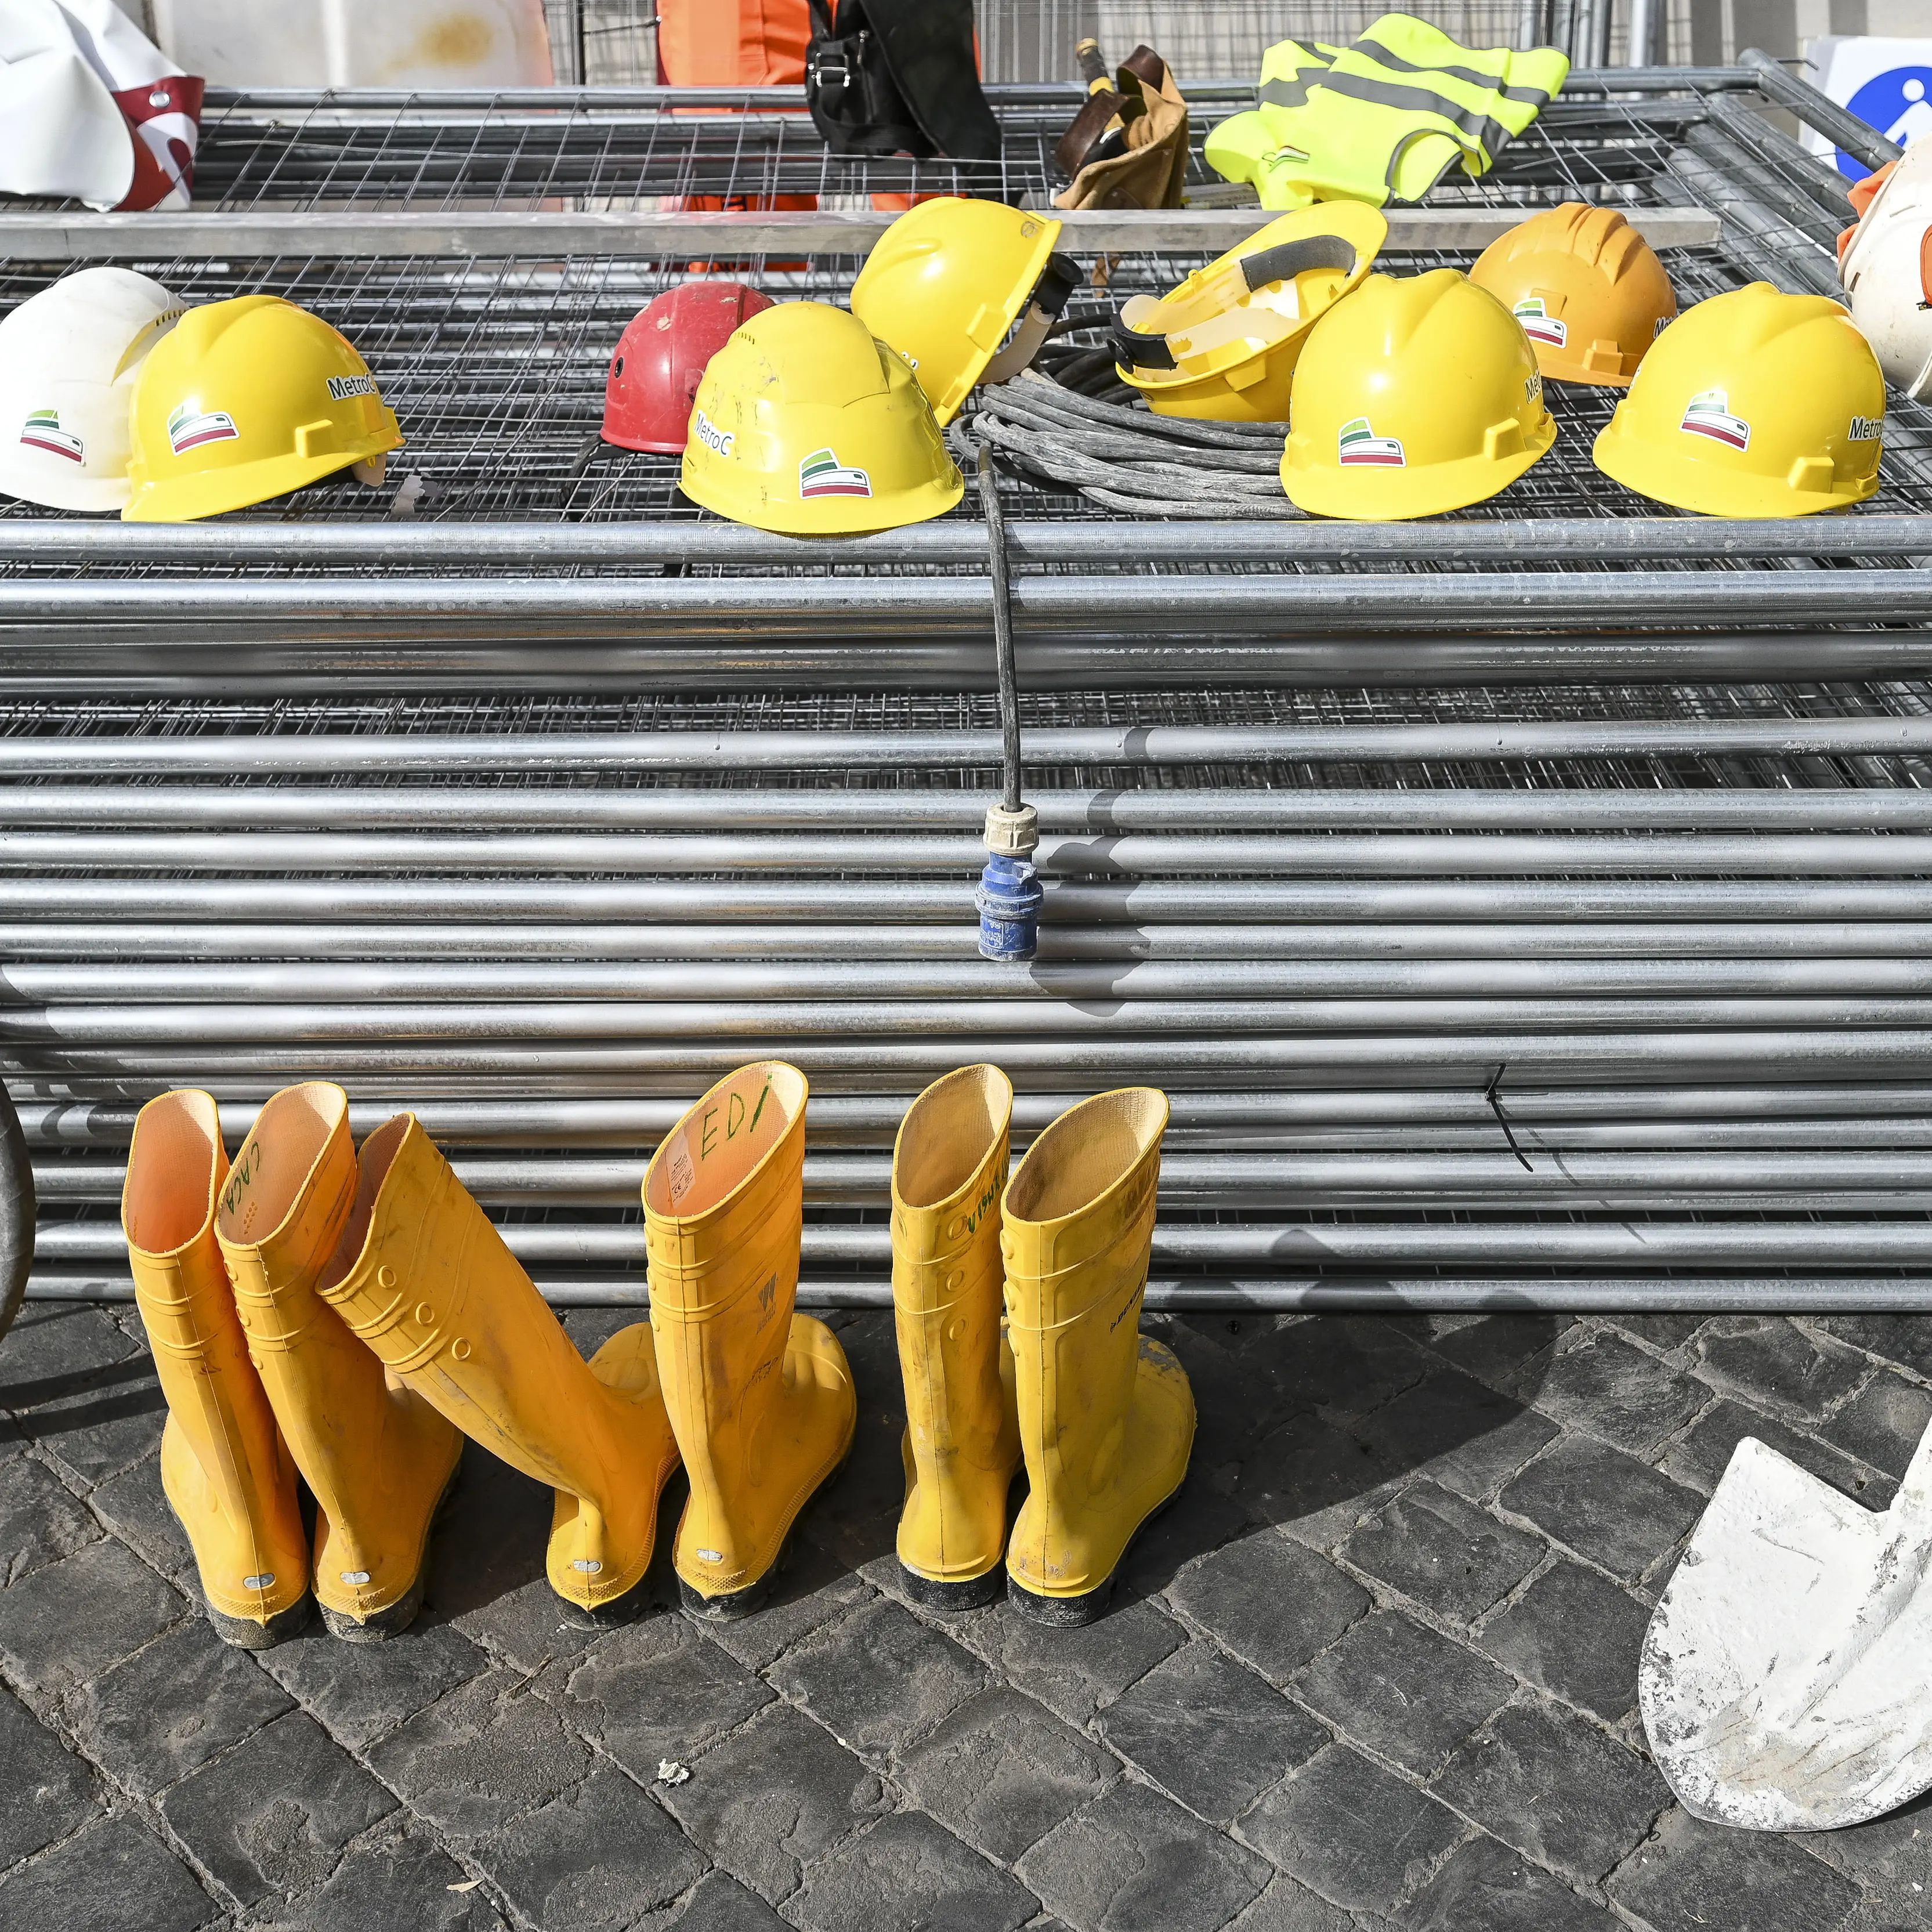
<point>968,1593</point>
<point>244,1634</point>
<point>396,1618</point>
<point>734,1606</point>
<point>1076,1612</point>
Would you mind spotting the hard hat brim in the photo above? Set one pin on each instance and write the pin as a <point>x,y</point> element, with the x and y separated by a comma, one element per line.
<point>1395,495</point>
<point>187,499</point>
<point>96,494</point>
<point>848,516</point>
<point>1685,484</point>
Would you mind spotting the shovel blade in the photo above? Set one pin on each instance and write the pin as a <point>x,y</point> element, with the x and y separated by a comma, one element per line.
<point>1787,1679</point>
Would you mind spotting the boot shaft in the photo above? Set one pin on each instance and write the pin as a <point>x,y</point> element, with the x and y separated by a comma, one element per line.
<point>949,1170</point>
<point>176,1165</point>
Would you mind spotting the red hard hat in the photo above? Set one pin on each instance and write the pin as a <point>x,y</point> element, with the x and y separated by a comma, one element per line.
<point>661,356</point>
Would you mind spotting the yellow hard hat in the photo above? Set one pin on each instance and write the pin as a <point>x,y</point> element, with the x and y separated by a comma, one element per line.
<point>948,278</point>
<point>246,400</point>
<point>1222,347</point>
<point>1753,403</point>
<point>1414,395</point>
<point>805,423</point>
<point>1588,289</point>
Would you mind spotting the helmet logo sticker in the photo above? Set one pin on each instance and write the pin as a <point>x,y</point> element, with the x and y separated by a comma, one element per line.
<point>341,388</point>
<point>821,474</point>
<point>1866,429</point>
<point>189,427</point>
<point>42,431</point>
<point>1708,413</point>
<point>1360,448</point>
<point>1539,325</point>
<point>711,436</point>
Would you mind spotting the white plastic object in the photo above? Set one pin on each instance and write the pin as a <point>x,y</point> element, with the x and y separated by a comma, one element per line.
<point>1012,835</point>
<point>1887,273</point>
<point>1786,1677</point>
<point>69,356</point>
<point>358,43</point>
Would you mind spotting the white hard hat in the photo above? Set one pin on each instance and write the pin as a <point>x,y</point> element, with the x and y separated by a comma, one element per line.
<point>68,358</point>
<point>1886,268</point>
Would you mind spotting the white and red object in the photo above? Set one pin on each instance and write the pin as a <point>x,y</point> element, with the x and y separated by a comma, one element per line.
<point>91,108</point>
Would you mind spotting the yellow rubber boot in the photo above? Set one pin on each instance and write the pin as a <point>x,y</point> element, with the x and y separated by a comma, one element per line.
<point>1106,1415</point>
<point>377,1458</point>
<point>962,1439</point>
<point>761,1398</point>
<point>423,1278</point>
<point>224,1467</point>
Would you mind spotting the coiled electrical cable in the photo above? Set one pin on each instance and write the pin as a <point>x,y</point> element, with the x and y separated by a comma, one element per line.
<point>1129,458</point>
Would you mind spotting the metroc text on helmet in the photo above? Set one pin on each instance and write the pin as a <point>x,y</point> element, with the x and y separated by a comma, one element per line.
<point>247,399</point>
<point>1754,404</point>
<point>1415,394</point>
<point>69,357</point>
<point>1886,265</point>
<point>1588,289</point>
<point>661,356</point>
<point>1222,347</point>
<point>805,423</point>
<point>948,279</point>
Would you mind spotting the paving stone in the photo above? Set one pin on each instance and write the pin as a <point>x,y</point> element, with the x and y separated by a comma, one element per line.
<point>40,1520</point>
<point>1340,1367</point>
<point>1574,1633</point>
<point>1609,1507</point>
<point>1212,1734</point>
<point>45,1790</point>
<point>1134,1861</point>
<point>594,1858</point>
<point>1072,1672</point>
<point>1665,1334</point>
<point>1444,1552</point>
<point>1467,1437</point>
<point>878,1677</point>
<point>814,1588</point>
<point>82,1388</point>
<point>273,1816</point>
<point>1615,1391</point>
<point>718,1903</point>
<point>774,1796</point>
<point>1403,1688</point>
<point>1688,1875</point>
<point>906,1871</point>
<point>135,1508</point>
<point>491,1751</point>
<point>1285,1906</point>
<point>1273,1603</point>
<point>1771,1361</point>
<point>854,1517</point>
<point>1230,1391</point>
<point>1555,1787</point>
<point>655,1690</point>
<point>1902,1339</point>
<point>73,1619</point>
<point>1883,1423</point>
<point>362,1691</point>
<point>1494,1348</point>
<point>112,1877</point>
<point>1351,1831</point>
<point>1314,1481</point>
<point>1486,1886</point>
<point>1702,1456</point>
<point>1002,1772</point>
<point>398,1877</point>
<point>172,1706</point>
<point>1200,1518</point>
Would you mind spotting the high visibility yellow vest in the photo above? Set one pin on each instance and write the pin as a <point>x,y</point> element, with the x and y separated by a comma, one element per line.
<point>1382,120</point>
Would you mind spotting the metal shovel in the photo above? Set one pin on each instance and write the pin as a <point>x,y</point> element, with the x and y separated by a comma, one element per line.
<point>1786,1679</point>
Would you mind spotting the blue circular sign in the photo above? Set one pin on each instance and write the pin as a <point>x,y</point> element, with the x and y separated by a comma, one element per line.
<point>1898,104</point>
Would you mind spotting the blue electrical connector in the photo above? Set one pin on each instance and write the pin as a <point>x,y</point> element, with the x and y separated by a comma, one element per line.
<point>1010,898</point>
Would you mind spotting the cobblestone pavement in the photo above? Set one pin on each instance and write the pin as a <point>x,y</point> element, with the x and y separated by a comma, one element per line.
<point>1376,1668</point>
